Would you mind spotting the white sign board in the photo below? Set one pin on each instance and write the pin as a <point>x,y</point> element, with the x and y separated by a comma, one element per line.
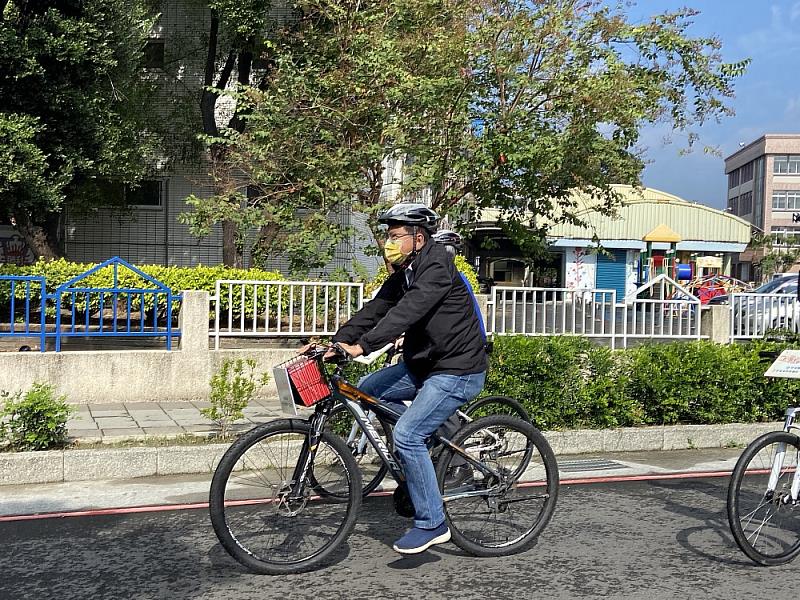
<point>786,365</point>
<point>709,262</point>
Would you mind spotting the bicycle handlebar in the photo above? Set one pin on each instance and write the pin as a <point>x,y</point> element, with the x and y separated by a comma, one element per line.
<point>365,359</point>
<point>368,359</point>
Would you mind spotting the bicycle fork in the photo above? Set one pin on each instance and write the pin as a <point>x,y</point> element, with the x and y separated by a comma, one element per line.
<point>777,463</point>
<point>307,454</point>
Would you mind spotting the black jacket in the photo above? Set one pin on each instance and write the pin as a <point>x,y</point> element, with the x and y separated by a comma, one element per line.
<point>442,332</point>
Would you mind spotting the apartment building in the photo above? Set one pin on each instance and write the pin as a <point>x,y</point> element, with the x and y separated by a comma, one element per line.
<point>764,189</point>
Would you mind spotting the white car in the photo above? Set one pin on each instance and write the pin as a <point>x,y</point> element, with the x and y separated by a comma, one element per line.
<point>774,305</point>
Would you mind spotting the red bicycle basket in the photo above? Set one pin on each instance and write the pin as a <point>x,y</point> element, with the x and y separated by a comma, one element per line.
<point>308,380</point>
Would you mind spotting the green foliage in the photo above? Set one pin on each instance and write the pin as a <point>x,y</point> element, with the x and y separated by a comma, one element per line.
<point>469,272</point>
<point>36,420</point>
<point>380,278</point>
<point>74,107</point>
<point>348,87</point>
<point>177,279</point>
<point>569,382</point>
<point>560,91</point>
<point>232,388</point>
<point>500,104</point>
<point>21,159</point>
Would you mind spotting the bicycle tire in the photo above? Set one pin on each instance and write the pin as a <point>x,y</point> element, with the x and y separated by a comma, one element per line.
<point>373,469</point>
<point>544,489</point>
<point>756,464</point>
<point>504,405</point>
<point>272,510</point>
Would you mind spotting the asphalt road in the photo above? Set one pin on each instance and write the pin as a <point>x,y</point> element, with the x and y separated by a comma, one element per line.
<point>645,540</point>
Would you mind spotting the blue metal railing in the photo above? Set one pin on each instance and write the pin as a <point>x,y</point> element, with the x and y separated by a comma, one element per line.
<point>85,311</point>
<point>31,303</point>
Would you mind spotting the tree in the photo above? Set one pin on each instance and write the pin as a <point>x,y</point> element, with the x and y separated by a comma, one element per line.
<point>73,108</point>
<point>503,104</point>
<point>559,92</point>
<point>237,33</point>
<point>344,85</point>
<point>778,254</point>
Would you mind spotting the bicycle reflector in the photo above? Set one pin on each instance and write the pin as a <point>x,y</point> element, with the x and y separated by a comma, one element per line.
<point>300,382</point>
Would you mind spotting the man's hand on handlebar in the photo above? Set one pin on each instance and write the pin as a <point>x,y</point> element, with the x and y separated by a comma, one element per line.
<point>353,350</point>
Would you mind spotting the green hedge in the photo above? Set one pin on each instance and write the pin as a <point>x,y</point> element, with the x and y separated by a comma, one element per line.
<point>570,382</point>
<point>177,279</point>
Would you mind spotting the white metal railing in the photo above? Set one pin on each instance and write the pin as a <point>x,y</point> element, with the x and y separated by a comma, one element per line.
<point>661,318</point>
<point>282,308</point>
<point>552,311</point>
<point>661,309</point>
<point>658,310</point>
<point>753,315</point>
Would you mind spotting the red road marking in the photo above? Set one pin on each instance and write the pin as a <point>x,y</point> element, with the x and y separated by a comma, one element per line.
<point>202,505</point>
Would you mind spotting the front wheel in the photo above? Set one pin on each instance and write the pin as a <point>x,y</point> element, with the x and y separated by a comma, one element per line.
<point>763,517</point>
<point>498,516</point>
<point>257,512</point>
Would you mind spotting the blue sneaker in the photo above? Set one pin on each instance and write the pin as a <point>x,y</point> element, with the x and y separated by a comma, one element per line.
<point>418,540</point>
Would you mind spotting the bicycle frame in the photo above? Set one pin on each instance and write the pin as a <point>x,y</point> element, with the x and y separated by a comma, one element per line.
<point>355,400</point>
<point>362,439</point>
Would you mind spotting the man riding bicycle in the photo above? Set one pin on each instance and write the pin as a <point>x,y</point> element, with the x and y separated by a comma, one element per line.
<point>444,355</point>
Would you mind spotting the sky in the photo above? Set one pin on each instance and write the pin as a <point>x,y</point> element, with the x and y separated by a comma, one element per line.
<point>767,96</point>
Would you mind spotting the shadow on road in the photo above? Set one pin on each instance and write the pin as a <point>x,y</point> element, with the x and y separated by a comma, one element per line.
<point>710,512</point>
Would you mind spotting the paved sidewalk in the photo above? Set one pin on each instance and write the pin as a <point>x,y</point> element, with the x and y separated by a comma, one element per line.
<point>137,420</point>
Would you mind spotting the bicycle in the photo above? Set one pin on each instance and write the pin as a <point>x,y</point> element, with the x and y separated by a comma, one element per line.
<point>286,494</point>
<point>764,494</point>
<point>373,470</point>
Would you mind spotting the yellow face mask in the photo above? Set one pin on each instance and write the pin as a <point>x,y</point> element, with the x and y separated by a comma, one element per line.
<point>393,253</point>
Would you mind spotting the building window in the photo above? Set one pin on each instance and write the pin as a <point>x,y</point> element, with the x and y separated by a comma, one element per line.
<point>786,200</point>
<point>786,236</point>
<point>733,179</point>
<point>786,165</point>
<point>733,205</point>
<point>746,173</point>
<point>745,203</point>
<point>153,54</point>
<point>146,195</point>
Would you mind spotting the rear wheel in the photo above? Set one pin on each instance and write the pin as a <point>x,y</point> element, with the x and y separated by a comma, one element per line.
<point>496,405</point>
<point>497,516</point>
<point>764,519</point>
<point>257,517</point>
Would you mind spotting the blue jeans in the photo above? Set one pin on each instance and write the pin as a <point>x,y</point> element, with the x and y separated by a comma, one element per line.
<point>435,399</point>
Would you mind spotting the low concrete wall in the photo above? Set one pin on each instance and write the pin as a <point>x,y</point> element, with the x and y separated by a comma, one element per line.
<point>137,375</point>
<point>128,376</point>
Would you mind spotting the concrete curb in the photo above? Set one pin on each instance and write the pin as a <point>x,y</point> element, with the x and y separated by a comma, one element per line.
<point>19,468</point>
